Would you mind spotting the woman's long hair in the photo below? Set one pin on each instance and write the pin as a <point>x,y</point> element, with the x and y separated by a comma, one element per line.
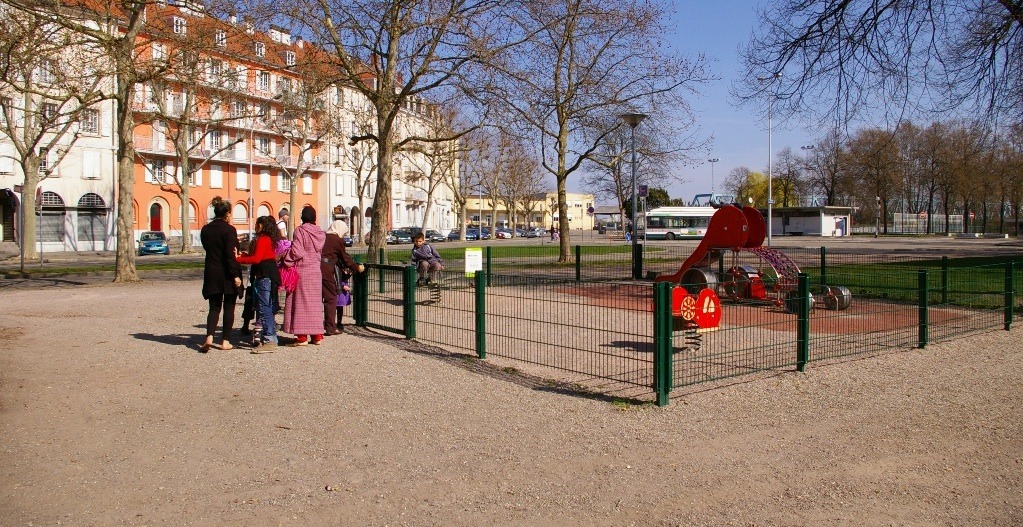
<point>268,227</point>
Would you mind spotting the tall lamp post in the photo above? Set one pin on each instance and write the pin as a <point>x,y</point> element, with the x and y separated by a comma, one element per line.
<point>770,161</point>
<point>712,161</point>
<point>633,120</point>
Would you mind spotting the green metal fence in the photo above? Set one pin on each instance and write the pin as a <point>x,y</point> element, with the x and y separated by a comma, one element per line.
<point>620,338</point>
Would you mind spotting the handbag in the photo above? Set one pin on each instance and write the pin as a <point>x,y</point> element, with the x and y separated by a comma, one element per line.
<point>289,279</point>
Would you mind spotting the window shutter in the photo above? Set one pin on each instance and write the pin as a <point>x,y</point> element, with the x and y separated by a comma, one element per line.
<point>216,177</point>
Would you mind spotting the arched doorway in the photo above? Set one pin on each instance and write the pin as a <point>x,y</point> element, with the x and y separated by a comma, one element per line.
<point>51,218</point>
<point>155,217</point>
<point>92,222</point>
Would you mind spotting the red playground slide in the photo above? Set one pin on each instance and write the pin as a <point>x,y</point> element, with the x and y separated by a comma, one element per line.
<point>729,228</point>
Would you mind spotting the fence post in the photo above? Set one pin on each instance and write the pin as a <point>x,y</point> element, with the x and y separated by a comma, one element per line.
<point>803,322</point>
<point>481,315</point>
<point>1009,294</point>
<point>944,279</point>
<point>824,265</point>
<point>408,297</point>
<point>361,308</point>
<point>662,342</point>
<point>637,261</point>
<point>490,280</point>
<point>578,263</point>
<point>380,271</point>
<point>923,293</point>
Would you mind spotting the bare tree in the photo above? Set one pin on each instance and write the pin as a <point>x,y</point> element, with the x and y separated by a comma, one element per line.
<point>360,156</point>
<point>434,161</point>
<point>582,61</point>
<point>747,185</point>
<point>189,107</point>
<point>824,167</point>
<point>49,78</point>
<point>664,142</point>
<point>304,123</point>
<point>521,179</point>
<point>475,163</point>
<point>789,180</point>
<point>116,29</point>
<point>873,159</point>
<point>854,56</point>
<point>397,53</point>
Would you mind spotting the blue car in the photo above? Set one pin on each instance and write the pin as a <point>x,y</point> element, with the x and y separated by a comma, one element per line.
<point>153,242</point>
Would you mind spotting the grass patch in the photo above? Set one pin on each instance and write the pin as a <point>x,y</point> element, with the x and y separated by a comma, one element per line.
<point>34,269</point>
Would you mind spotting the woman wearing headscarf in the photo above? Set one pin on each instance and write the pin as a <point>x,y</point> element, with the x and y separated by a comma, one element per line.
<point>222,275</point>
<point>303,308</point>
<point>334,256</point>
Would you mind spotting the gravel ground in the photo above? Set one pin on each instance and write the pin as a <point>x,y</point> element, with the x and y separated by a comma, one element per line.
<point>110,417</point>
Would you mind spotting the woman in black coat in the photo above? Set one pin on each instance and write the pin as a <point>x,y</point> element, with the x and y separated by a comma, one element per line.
<point>222,276</point>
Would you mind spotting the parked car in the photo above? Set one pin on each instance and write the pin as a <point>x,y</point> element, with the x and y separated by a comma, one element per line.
<point>153,242</point>
<point>411,231</point>
<point>398,236</point>
<point>470,235</point>
<point>348,240</point>
<point>503,234</point>
<point>536,232</point>
<point>484,234</point>
<point>434,236</point>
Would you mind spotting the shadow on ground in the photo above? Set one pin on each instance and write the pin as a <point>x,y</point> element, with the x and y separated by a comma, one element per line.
<point>508,374</point>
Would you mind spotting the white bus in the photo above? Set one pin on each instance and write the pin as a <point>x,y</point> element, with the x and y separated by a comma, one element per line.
<point>674,223</point>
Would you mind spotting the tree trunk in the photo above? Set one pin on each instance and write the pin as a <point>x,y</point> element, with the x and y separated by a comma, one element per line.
<point>125,260</point>
<point>30,229</point>
<point>382,199</point>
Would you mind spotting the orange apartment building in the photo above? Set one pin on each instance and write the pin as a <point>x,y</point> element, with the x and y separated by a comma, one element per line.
<point>244,157</point>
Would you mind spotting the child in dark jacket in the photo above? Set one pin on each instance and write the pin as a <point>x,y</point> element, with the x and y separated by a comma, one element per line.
<point>426,259</point>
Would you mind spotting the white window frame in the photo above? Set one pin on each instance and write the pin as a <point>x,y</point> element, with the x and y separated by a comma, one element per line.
<point>92,161</point>
<point>159,51</point>
<point>48,110</point>
<point>157,172</point>
<point>263,80</point>
<point>213,140</point>
<point>221,38</point>
<point>44,160</point>
<point>241,178</point>
<point>307,183</point>
<point>88,121</point>
<point>289,58</point>
<point>264,180</point>
<point>216,177</point>
<point>180,26</point>
<point>47,74</point>
<point>260,49</point>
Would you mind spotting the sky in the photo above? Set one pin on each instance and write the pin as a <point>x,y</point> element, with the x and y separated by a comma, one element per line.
<point>718,28</point>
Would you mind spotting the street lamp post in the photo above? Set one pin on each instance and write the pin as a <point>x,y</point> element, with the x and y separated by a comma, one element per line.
<point>712,161</point>
<point>770,160</point>
<point>633,120</point>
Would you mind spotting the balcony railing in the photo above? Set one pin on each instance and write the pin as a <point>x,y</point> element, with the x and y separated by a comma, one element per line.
<point>145,143</point>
